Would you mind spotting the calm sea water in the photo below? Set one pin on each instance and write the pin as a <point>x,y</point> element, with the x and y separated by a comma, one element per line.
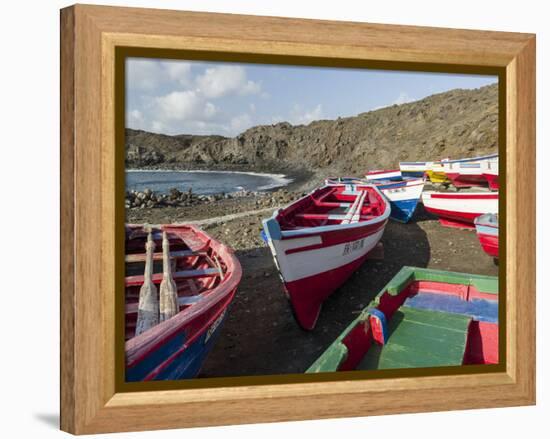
<point>202,182</point>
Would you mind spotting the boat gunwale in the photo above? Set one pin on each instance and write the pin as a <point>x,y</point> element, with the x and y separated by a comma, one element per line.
<point>481,158</point>
<point>413,164</point>
<point>404,182</point>
<point>382,171</point>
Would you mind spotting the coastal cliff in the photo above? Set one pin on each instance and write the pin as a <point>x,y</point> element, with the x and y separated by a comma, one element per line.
<point>457,123</point>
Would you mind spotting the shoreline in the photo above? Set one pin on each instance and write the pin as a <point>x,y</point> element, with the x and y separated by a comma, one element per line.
<point>288,179</point>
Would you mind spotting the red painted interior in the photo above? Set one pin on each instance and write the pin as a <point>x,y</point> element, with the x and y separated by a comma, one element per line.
<point>482,343</point>
<point>313,210</point>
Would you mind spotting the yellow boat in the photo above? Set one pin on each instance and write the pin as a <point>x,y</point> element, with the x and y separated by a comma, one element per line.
<point>436,173</point>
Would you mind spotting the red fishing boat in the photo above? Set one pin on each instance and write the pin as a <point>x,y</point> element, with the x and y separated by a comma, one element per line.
<point>487,233</point>
<point>320,240</point>
<point>468,172</point>
<point>460,209</point>
<point>169,334</point>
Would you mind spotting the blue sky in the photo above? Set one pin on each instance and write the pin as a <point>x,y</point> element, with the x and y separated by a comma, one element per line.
<point>182,97</point>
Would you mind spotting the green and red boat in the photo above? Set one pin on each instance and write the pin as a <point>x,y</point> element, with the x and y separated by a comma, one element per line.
<point>421,318</point>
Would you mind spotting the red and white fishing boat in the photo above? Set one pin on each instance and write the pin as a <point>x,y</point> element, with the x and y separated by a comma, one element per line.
<point>460,209</point>
<point>467,172</point>
<point>489,170</point>
<point>320,240</point>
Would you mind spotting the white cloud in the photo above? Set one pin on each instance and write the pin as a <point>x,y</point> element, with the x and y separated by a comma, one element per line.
<point>240,123</point>
<point>176,97</point>
<point>178,71</point>
<point>135,116</point>
<point>250,88</point>
<point>403,98</point>
<point>184,105</point>
<point>158,127</point>
<point>136,120</point>
<point>299,115</point>
<point>223,80</point>
<point>179,105</point>
<point>147,74</point>
<point>143,74</point>
<point>210,110</point>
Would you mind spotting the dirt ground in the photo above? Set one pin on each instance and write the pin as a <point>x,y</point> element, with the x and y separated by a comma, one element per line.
<point>260,336</point>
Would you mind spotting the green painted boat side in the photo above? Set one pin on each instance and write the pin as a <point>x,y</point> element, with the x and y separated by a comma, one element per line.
<point>337,352</point>
<point>331,359</point>
<point>420,338</point>
<point>407,275</point>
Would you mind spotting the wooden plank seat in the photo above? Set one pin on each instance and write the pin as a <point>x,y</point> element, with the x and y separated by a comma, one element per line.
<point>182,301</point>
<point>420,338</point>
<point>184,274</point>
<point>140,257</point>
<point>322,197</point>
<point>354,213</point>
<point>328,216</point>
<point>332,204</point>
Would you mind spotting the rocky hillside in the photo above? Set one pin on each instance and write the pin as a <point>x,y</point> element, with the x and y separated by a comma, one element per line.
<point>458,123</point>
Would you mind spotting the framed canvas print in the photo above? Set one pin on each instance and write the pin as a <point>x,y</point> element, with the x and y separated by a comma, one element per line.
<point>271,219</point>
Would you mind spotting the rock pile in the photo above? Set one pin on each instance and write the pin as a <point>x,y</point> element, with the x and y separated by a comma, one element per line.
<point>176,198</point>
<point>282,197</point>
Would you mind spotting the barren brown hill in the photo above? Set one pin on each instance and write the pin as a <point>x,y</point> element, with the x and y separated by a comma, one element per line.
<point>457,123</point>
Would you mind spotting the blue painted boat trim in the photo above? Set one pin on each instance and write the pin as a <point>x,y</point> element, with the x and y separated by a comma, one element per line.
<point>413,173</point>
<point>470,165</point>
<point>186,366</point>
<point>478,309</point>
<point>473,159</point>
<point>487,230</point>
<point>376,180</point>
<point>390,185</point>
<point>403,210</point>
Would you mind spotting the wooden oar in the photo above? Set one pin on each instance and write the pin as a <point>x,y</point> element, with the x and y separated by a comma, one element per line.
<point>168,291</point>
<point>148,307</point>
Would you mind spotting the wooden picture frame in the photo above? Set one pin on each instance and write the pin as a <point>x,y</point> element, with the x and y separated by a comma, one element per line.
<point>91,400</point>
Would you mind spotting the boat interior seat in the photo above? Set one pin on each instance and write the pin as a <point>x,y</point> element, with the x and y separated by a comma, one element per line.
<point>411,340</point>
